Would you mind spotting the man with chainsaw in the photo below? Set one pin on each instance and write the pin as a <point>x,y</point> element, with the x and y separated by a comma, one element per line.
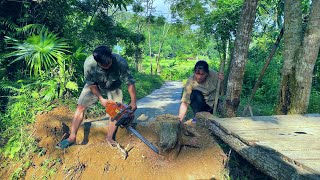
<point>199,91</point>
<point>104,73</point>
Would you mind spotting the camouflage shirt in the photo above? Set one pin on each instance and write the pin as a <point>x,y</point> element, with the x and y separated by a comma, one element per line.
<point>111,78</point>
<point>208,88</point>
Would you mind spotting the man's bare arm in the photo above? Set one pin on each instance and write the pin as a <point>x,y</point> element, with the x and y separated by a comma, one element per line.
<point>183,110</point>
<point>133,97</point>
<point>95,90</point>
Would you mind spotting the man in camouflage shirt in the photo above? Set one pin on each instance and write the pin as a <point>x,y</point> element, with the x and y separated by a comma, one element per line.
<point>200,89</point>
<point>104,73</point>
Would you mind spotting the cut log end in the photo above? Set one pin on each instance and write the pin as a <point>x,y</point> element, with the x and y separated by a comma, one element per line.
<point>172,134</point>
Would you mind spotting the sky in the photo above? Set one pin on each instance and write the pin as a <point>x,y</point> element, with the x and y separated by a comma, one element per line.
<point>162,8</point>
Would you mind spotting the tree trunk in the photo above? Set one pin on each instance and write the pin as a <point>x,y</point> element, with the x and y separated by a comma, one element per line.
<point>148,14</point>
<point>164,34</point>
<point>221,70</point>
<point>235,80</point>
<point>137,57</point>
<point>228,64</point>
<point>137,50</point>
<point>300,54</point>
<point>224,85</point>
<point>150,52</point>
<point>306,60</point>
<point>292,39</point>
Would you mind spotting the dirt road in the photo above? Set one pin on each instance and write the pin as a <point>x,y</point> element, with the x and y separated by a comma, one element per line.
<point>91,157</point>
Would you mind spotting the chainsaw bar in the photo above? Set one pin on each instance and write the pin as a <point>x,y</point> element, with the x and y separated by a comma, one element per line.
<point>136,133</point>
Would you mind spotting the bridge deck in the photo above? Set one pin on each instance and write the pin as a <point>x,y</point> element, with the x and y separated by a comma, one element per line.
<point>284,146</point>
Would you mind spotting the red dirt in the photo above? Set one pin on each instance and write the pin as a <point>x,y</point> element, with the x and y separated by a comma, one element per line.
<point>96,160</point>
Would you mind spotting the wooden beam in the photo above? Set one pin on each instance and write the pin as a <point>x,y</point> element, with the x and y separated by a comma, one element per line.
<point>263,158</point>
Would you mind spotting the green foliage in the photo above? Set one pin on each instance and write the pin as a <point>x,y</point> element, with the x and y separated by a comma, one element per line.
<point>145,84</point>
<point>214,20</point>
<point>15,31</point>
<point>72,85</point>
<point>24,104</point>
<point>91,23</point>
<point>45,54</point>
<point>268,89</point>
<point>314,104</point>
<point>40,51</point>
<point>20,172</point>
<point>270,14</point>
<point>316,77</point>
<point>49,91</point>
<point>49,165</point>
<point>137,7</point>
<point>173,70</point>
<point>258,108</point>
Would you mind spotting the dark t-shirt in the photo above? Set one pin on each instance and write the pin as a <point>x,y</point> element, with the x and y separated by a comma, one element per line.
<point>108,79</point>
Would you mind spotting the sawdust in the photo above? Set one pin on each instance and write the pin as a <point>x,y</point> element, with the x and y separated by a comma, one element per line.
<point>91,157</point>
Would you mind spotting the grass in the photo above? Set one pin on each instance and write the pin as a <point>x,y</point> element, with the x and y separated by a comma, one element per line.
<point>175,68</point>
<point>258,108</point>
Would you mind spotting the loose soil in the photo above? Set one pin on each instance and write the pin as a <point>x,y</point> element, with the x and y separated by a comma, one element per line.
<point>92,158</point>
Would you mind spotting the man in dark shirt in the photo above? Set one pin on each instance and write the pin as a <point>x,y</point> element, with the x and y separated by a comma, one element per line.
<point>104,73</point>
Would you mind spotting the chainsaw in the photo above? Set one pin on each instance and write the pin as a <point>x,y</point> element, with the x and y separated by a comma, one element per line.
<point>123,115</point>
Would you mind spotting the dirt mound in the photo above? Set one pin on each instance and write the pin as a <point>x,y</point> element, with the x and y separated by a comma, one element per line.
<point>91,157</point>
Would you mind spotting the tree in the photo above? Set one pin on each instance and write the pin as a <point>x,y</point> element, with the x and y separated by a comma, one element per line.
<point>301,50</point>
<point>239,58</point>
<point>165,30</point>
<point>149,11</point>
<point>217,21</point>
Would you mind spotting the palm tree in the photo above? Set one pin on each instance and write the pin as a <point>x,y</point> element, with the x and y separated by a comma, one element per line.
<point>42,51</point>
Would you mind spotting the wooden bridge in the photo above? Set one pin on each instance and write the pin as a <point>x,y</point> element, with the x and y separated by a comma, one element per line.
<point>283,147</point>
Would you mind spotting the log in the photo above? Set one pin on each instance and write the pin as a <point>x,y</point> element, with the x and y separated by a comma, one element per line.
<point>172,135</point>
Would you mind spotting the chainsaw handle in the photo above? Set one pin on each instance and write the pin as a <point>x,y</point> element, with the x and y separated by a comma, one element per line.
<point>117,116</point>
<point>133,110</point>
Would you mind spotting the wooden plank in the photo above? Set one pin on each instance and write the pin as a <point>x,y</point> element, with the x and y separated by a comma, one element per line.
<point>294,131</point>
<point>267,161</point>
<point>289,145</point>
<point>305,155</point>
<point>269,122</point>
<point>312,165</point>
<point>312,135</point>
<point>310,160</point>
<point>260,125</point>
<point>277,145</point>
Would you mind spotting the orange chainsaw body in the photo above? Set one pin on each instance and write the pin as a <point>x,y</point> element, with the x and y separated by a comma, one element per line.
<point>120,112</point>
<point>114,108</point>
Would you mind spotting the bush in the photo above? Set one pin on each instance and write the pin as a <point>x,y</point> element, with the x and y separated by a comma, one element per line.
<point>24,104</point>
<point>314,104</point>
<point>145,84</point>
